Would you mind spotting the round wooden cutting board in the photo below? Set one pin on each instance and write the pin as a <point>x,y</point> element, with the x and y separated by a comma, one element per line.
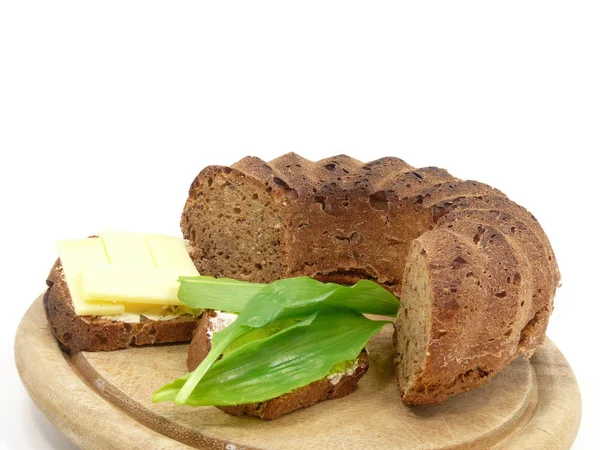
<point>103,400</point>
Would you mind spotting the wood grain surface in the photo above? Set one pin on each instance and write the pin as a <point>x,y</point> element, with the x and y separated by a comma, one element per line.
<point>103,400</point>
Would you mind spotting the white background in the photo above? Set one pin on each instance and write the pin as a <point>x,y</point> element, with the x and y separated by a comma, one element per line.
<point>109,109</point>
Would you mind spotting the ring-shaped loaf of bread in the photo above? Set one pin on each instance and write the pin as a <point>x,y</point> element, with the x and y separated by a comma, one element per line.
<point>475,271</point>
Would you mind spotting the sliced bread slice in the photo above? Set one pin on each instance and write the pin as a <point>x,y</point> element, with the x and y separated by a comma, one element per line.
<point>327,388</point>
<point>93,333</point>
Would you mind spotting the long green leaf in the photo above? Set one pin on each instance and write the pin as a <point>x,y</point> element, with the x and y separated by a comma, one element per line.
<point>225,294</point>
<point>291,298</point>
<point>262,333</point>
<point>171,390</point>
<point>294,357</point>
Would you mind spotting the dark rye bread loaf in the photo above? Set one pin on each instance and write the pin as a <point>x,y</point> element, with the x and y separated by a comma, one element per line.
<point>91,333</point>
<point>303,397</point>
<point>474,270</point>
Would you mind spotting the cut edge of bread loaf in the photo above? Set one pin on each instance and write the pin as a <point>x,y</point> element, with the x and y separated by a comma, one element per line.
<point>93,333</point>
<point>253,228</point>
<point>488,292</point>
<point>303,397</point>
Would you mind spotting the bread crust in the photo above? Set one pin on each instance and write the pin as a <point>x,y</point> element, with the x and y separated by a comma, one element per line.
<point>91,333</point>
<point>303,397</point>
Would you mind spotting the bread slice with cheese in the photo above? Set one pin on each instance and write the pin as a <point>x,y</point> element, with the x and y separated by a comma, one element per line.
<point>333,386</point>
<point>97,333</point>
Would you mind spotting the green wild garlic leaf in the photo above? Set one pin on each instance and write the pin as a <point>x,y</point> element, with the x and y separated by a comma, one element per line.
<point>225,294</point>
<point>286,299</point>
<point>293,357</point>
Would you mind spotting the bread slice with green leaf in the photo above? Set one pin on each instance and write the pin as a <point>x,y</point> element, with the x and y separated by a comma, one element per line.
<point>339,383</point>
<point>295,342</point>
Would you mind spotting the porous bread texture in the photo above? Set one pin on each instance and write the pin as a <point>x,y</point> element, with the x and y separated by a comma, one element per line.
<point>92,333</point>
<point>484,269</point>
<point>303,397</point>
<point>410,340</point>
<point>236,223</point>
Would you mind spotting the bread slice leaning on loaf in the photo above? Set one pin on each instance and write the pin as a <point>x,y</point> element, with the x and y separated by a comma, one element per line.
<point>323,389</point>
<point>92,333</point>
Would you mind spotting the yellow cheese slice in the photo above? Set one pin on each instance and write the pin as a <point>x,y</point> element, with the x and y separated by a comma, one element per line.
<point>77,255</point>
<point>170,252</point>
<point>123,275</point>
<point>126,249</point>
<point>152,286</point>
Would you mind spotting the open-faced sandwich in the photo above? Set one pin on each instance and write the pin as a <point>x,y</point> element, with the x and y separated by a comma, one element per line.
<point>295,342</point>
<point>340,380</point>
<point>119,289</point>
<point>474,273</point>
